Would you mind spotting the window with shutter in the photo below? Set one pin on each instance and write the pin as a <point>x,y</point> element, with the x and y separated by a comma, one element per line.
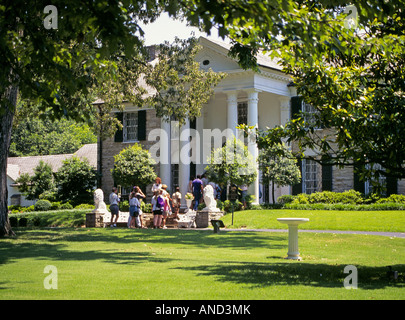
<point>130,126</point>
<point>297,188</point>
<point>309,176</point>
<point>118,137</point>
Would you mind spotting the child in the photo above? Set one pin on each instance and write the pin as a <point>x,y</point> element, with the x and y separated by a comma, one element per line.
<point>140,195</point>
<point>134,207</point>
<point>176,201</point>
<point>157,207</point>
<point>166,207</point>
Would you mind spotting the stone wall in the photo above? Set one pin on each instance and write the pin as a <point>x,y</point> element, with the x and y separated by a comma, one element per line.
<point>112,148</point>
<point>342,179</point>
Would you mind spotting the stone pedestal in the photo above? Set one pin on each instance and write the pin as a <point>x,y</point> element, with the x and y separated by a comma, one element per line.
<point>94,220</point>
<point>202,219</point>
<point>293,253</point>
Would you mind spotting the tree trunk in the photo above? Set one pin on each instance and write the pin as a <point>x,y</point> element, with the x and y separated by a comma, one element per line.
<point>272,191</point>
<point>7,110</point>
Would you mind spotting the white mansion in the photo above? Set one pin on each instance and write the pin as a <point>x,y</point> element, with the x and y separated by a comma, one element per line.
<point>262,99</point>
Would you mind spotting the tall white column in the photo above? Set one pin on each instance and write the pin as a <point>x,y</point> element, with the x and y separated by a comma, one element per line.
<point>284,119</point>
<point>165,153</point>
<point>199,159</point>
<point>232,111</point>
<point>253,120</point>
<point>284,110</point>
<point>184,161</point>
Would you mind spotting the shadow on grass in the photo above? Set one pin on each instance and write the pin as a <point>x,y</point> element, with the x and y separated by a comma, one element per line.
<point>54,244</point>
<point>198,238</point>
<point>260,275</point>
<point>10,252</point>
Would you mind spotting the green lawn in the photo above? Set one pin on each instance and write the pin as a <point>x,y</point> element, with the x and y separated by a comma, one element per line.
<point>196,264</point>
<point>384,221</point>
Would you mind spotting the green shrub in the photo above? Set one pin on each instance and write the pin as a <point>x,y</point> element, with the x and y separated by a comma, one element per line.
<point>228,205</point>
<point>249,200</point>
<point>61,218</point>
<point>146,207</point>
<point>15,208</point>
<point>395,198</point>
<point>124,205</point>
<point>29,209</point>
<point>42,205</point>
<point>22,222</point>
<point>85,206</point>
<point>220,205</point>
<point>66,206</point>
<point>287,198</point>
<point>301,198</point>
<point>56,205</point>
<point>13,222</point>
<point>327,197</point>
<point>36,220</point>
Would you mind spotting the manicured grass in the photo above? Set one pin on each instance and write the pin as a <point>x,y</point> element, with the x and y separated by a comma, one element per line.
<point>383,221</point>
<point>196,264</point>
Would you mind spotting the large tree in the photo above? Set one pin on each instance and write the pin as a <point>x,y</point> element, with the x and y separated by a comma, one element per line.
<point>57,66</point>
<point>52,56</point>
<point>134,166</point>
<point>232,163</point>
<point>356,82</point>
<point>75,181</point>
<point>347,61</point>
<point>62,57</point>
<point>278,167</point>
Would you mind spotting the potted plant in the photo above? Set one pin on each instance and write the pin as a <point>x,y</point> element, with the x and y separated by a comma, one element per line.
<point>189,199</point>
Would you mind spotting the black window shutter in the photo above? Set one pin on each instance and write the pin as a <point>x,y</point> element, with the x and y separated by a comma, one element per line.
<point>142,125</point>
<point>119,134</point>
<point>358,184</point>
<point>392,186</point>
<point>327,177</point>
<point>296,106</point>
<point>297,188</point>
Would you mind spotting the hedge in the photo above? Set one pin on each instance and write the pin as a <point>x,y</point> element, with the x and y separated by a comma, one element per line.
<point>59,218</point>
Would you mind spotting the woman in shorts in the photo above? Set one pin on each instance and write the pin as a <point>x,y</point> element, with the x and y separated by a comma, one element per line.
<point>114,208</point>
<point>157,209</point>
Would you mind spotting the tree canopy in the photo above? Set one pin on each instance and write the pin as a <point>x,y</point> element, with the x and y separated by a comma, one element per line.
<point>133,166</point>
<point>233,163</point>
<point>278,167</point>
<point>358,77</point>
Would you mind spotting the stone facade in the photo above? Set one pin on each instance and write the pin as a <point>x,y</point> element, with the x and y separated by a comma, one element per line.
<point>112,148</point>
<point>342,179</point>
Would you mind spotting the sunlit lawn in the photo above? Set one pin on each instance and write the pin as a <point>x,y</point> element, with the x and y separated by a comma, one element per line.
<point>383,221</point>
<point>193,264</point>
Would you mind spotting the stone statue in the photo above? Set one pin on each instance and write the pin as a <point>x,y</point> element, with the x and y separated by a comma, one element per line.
<point>100,206</point>
<point>209,200</point>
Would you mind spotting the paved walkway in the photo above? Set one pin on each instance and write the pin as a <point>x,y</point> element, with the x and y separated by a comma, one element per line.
<point>385,234</point>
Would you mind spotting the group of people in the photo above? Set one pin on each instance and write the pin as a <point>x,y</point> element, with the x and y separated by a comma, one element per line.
<point>163,205</point>
<point>135,212</point>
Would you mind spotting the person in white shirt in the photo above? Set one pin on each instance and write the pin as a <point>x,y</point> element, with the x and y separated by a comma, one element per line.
<point>114,207</point>
<point>157,185</point>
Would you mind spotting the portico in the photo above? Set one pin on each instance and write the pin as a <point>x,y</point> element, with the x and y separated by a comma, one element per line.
<point>258,99</point>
